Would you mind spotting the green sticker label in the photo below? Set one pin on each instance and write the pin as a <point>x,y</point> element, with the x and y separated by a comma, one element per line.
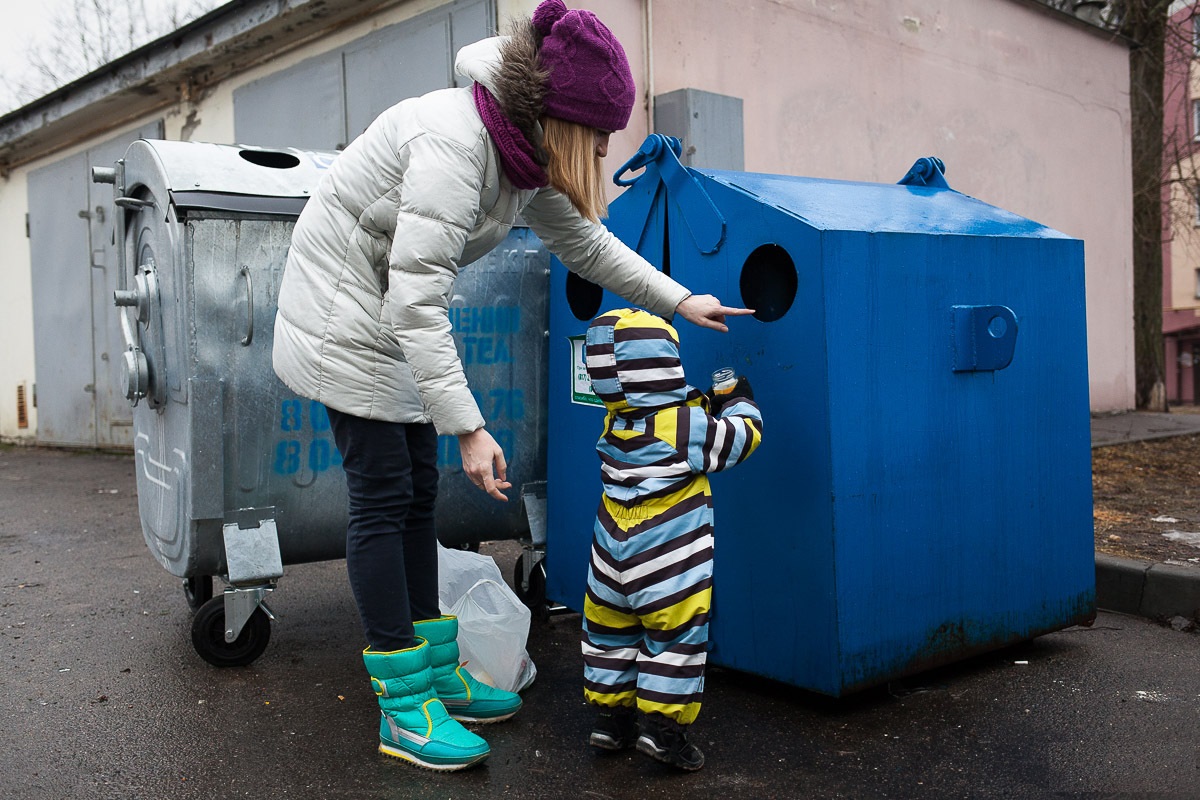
<point>581,385</point>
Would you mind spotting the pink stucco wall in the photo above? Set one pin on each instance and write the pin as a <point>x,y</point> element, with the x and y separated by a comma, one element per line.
<point>1028,111</point>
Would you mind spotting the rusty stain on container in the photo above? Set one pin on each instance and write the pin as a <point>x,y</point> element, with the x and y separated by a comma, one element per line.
<point>959,639</point>
<point>22,411</point>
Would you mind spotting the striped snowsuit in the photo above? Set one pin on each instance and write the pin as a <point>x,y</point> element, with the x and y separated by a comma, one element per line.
<point>645,628</point>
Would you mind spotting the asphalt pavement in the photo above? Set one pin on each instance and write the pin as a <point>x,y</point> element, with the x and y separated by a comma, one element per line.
<point>104,697</point>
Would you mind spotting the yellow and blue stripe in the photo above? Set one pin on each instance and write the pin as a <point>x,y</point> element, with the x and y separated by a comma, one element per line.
<point>649,595</point>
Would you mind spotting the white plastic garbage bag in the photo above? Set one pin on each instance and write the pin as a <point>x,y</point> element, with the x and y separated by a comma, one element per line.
<point>493,625</point>
<point>459,570</point>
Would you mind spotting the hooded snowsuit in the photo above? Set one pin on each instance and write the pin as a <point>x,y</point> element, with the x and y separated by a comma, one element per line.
<point>645,631</point>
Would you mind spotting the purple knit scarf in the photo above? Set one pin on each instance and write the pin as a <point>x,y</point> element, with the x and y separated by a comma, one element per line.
<point>516,152</point>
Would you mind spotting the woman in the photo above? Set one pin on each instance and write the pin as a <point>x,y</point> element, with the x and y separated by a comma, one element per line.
<point>432,185</point>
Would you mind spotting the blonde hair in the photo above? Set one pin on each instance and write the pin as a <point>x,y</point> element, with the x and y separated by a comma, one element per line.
<point>574,168</point>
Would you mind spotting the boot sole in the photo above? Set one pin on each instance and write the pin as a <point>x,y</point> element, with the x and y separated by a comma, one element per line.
<point>603,742</point>
<point>404,755</point>
<point>648,747</point>
<point>484,720</point>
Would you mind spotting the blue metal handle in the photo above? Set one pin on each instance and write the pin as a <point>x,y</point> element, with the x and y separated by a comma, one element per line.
<point>659,154</point>
<point>983,337</point>
<point>649,152</point>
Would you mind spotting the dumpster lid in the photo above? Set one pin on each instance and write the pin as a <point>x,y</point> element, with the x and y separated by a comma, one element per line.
<point>835,205</point>
<point>203,171</point>
<point>922,202</point>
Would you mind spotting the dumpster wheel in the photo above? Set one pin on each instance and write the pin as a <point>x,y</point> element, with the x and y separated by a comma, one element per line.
<point>197,590</point>
<point>208,636</point>
<point>535,596</point>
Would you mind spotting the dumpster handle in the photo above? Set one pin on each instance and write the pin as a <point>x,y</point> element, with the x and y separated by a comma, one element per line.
<point>647,153</point>
<point>982,338</point>
<point>704,222</point>
<point>133,202</point>
<point>249,337</point>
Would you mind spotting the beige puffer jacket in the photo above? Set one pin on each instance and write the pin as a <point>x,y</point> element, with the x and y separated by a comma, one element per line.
<point>419,195</point>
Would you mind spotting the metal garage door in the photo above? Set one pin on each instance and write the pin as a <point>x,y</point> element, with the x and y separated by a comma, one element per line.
<point>326,101</point>
<point>77,341</point>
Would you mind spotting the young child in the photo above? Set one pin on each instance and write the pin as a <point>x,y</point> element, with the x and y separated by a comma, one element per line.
<point>645,627</point>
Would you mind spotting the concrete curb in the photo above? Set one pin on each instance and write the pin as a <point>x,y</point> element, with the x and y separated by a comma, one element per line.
<point>1147,589</point>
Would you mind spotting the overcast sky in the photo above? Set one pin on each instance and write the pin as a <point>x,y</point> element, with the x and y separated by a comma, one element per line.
<point>29,23</point>
<point>23,22</point>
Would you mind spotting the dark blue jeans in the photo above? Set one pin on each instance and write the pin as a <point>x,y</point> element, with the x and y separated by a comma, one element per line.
<point>391,544</point>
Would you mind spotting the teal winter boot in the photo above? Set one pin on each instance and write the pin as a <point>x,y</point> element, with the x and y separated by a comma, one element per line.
<point>465,698</point>
<point>414,724</point>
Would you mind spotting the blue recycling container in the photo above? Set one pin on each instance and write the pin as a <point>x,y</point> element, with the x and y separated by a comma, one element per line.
<point>923,490</point>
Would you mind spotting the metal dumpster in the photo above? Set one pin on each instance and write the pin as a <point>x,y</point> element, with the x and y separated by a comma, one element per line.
<point>236,475</point>
<point>923,491</point>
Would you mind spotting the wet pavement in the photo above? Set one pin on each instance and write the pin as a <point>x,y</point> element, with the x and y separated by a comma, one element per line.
<point>104,697</point>
<point>1137,426</point>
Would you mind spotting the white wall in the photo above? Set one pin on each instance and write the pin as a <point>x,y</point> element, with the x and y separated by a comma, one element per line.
<point>16,310</point>
<point>507,10</point>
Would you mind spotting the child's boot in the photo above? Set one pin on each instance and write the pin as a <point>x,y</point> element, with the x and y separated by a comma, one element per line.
<point>414,725</point>
<point>465,698</point>
<point>615,729</point>
<point>665,740</point>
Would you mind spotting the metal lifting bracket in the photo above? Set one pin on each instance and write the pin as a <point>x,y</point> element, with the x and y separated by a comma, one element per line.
<point>662,177</point>
<point>930,171</point>
<point>254,563</point>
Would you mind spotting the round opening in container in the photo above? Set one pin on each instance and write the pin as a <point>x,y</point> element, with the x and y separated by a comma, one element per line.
<point>583,297</point>
<point>273,159</point>
<point>769,282</point>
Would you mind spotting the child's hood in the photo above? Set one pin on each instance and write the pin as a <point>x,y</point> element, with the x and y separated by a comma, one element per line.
<point>633,361</point>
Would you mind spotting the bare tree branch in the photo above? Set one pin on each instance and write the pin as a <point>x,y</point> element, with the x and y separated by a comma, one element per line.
<point>84,35</point>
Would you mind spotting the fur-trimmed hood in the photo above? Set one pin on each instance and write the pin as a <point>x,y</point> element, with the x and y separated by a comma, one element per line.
<point>508,67</point>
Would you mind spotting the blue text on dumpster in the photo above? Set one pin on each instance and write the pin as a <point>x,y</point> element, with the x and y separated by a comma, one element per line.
<point>313,449</point>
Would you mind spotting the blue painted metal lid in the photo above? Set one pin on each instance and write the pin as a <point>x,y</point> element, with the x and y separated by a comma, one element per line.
<point>833,205</point>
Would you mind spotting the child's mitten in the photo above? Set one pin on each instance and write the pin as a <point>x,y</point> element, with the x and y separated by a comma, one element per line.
<point>740,390</point>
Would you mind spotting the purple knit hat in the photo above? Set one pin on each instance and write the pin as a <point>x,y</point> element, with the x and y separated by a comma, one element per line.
<point>590,81</point>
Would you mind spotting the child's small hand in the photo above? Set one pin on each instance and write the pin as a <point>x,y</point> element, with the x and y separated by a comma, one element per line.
<point>740,390</point>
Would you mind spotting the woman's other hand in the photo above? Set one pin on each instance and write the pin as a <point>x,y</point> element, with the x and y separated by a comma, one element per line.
<point>707,312</point>
<point>480,454</point>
